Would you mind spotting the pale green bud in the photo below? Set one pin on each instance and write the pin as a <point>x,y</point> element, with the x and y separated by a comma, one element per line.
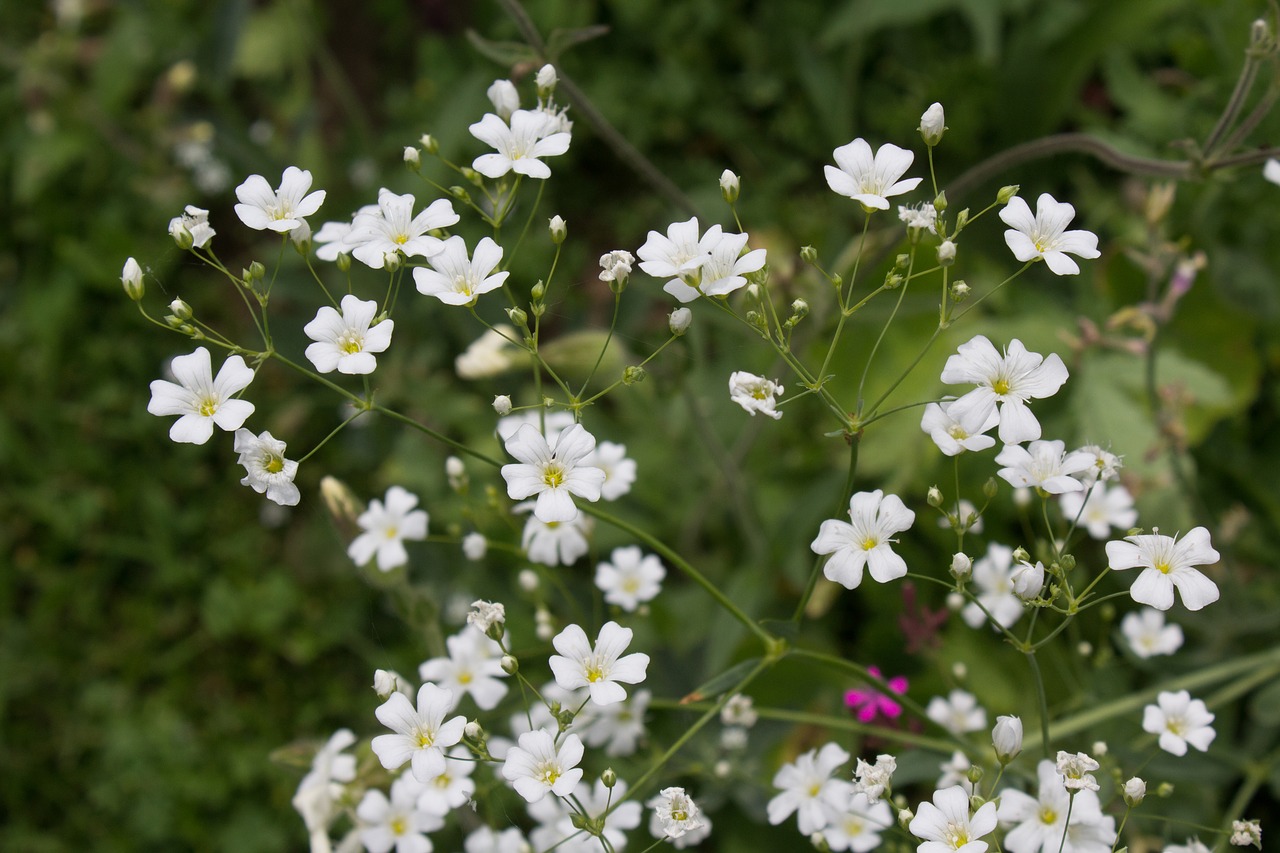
<point>934,497</point>
<point>680,320</point>
<point>131,278</point>
<point>809,255</point>
<point>1006,194</point>
<point>959,291</point>
<point>608,777</point>
<point>633,374</point>
<point>729,186</point>
<point>180,309</point>
<point>558,230</point>
<point>509,664</point>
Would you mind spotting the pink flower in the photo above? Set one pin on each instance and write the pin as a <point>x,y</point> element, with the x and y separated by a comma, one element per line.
<point>867,702</point>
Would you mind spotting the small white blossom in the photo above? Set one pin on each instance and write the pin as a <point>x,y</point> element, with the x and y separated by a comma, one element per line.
<point>1007,381</point>
<point>555,543</point>
<point>455,279</point>
<point>738,710</point>
<point>536,766</point>
<point>958,713</point>
<point>386,527</point>
<point>396,823</point>
<point>421,733</point>
<point>1193,845</point>
<point>1039,823</point>
<point>808,789</point>
<point>1147,634</point>
<point>452,788</point>
<point>1246,833</point>
<point>390,230</point>
<point>870,178</point>
<point>1042,464</point>
<point>873,780</point>
<point>552,475</point>
<point>921,217</point>
<point>676,811</point>
<point>601,668</point>
<point>346,342</point>
<point>754,393</point>
<point>201,400</point>
<point>954,436</point>
<point>858,825</point>
<point>619,471</point>
<point>1102,510</point>
<point>280,210</point>
<point>630,577</point>
<point>1179,720</point>
<point>616,265</point>
<point>266,469</point>
<point>1077,771</point>
<point>489,355</point>
<point>866,541</point>
<point>993,577</point>
<point>947,827</point>
<point>1106,465</point>
<point>722,273</point>
<point>318,792</point>
<point>519,147</point>
<point>471,667</point>
<point>679,256</point>
<point>194,221</point>
<point>1166,563</point>
<point>485,614</point>
<point>1044,235</point>
<point>955,771</point>
<point>619,727</point>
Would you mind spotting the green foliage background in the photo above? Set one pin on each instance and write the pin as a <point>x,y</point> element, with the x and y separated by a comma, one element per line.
<point>161,632</point>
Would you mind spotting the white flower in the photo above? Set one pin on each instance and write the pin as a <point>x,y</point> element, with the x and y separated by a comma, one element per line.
<point>504,97</point>
<point>398,823</point>
<point>616,265</point>
<point>1009,380</point>
<point>331,239</point>
<point>868,179</point>
<point>618,727</point>
<point>630,577</point>
<point>421,734</point>
<point>955,771</point>
<point>872,780</point>
<point>619,471</point>
<point>676,811</point>
<point>1028,580</point>
<point>954,436</point>
<point>1077,771</point>
<point>1193,845</point>
<point>722,273</point>
<point>922,217</point>
<point>456,279</point>
<point>1006,737</point>
<point>858,825</point>
<point>552,475</point>
<point>485,614</point>
<point>1135,791</point>
<point>319,790</point>
<point>1104,509</point>
<point>1042,820</point>
<point>519,146</point>
<point>386,527</point>
<point>471,667</point>
<point>452,788</point>
<point>754,393</point>
<point>1106,465</point>
<point>1167,563</point>
<point>535,766</point>
<point>1271,170</point>
<point>738,710</point>
<point>474,546</point>
<point>280,210</point>
<point>875,518</point>
<point>691,838</point>
<point>993,576</point>
<point>1245,833</point>
<point>808,789</point>
<point>390,229</point>
<point>555,543</point>
<point>1148,635</point>
<point>730,186</point>
<point>1179,720</point>
<point>487,840</point>
<point>958,713</point>
<point>266,469</point>
<point>1044,465</point>
<point>947,827</point>
<point>1044,236</point>
<point>932,124</point>
<point>558,833</point>
<point>194,221</point>
<point>488,355</point>
<point>679,256</point>
<point>601,668</point>
<point>201,400</point>
<point>346,342</point>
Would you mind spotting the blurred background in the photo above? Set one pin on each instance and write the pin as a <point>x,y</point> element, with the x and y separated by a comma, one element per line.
<point>163,631</point>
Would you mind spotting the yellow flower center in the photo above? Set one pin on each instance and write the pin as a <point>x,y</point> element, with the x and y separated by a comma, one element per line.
<point>553,475</point>
<point>208,406</point>
<point>679,815</point>
<point>274,465</point>
<point>869,543</point>
<point>1048,816</point>
<point>464,678</point>
<point>957,836</point>
<point>400,239</point>
<point>594,673</point>
<point>1000,386</point>
<point>398,826</point>
<point>425,739</point>
<point>1163,567</point>
<point>350,343</point>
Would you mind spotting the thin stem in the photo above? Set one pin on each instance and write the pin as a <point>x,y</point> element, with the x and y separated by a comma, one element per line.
<point>440,437</point>
<point>1042,699</point>
<point>902,293</point>
<point>339,428</point>
<point>847,492</point>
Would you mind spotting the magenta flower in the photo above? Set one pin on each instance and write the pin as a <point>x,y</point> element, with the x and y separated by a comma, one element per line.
<point>868,703</point>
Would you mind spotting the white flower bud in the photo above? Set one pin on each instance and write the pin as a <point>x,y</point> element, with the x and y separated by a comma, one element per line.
<point>429,143</point>
<point>546,79</point>
<point>474,546</point>
<point>502,405</point>
<point>946,253</point>
<point>729,186</point>
<point>932,125</point>
<point>558,230</point>
<point>131,278</point>
<point>473,730</point>
<point>1099,748</point>
<point>905,816</point>
<point>933,497</point>
<point>958,669</point>
<point>1006,737</point>
<point>388,681</point>
<point>502,94</point>
<point>454,468</point>
<point>961,565</point>
<point>1028,580</point>
<point>412,158</point>
<point>1135,790</point>
<point>680,320</point>
<point>528,580</point>
<point>180,309</point>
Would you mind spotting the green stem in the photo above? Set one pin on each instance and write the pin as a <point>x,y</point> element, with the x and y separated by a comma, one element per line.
<point>847,493</point>
<point>1042,700</point>
<point>440,437</point>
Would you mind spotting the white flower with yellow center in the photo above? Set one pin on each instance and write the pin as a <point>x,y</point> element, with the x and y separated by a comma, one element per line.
<point>421,735</point>
<point>676,811</point>
<point>456,279</point>
<point>521,146</point>
<point>868,178</point>
<point>1147,634</point>
<point>953,435</point>
<point>947,827</point>
<point>398,823</point>
<point>1043,237</point>
<point>630,577</point>
<point>1039,822</point>
<point>808,789</point>
<point>280,210</point>
<point>552,475</point>
<point>865,540</point>
<point>535,766</point>
<point>390,228</point>
<point>266,469</point>
<point>346,342</point>
<point>201,401</point>
<point>1167,562</point>
<point>1007,380</point>
<point>386,527</point>
<point>473,666</point>
<point>1179,720</point>
<point>601,668</point>
<point>754,393</point>
<point>858,825</point>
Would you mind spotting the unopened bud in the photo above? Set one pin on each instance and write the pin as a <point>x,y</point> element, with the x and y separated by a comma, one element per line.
<point>946,253</point>
<point>558,229</point>
<point>412,158</point>
<point>1085,648</point>
<point>990,487</point>
<point>633,374</point>
<point>819,842</point>
<point>131,278</point>
<point>538,291</point>
<point>974,774</point>
<point>729,186</point>
<point>799,309</point>
<point>340,500</point>
<point>934,497</point>
<point>518,316</point>
<point>1165,789</point>
<point>809,255</point>
<point>932,125</point>
<point>343,262</point>
<point>961,566</point>
<point>905,816</point>
<point>181,236</point>
<point>959,291</point>
<point>679,321</point>
<point>892,281</point>
<point>473,731</point>
<point>1259,33</point>
<point>1006,737</point>
<point>546,80</point>
<point>180,309</point>
<point>962,219</point>
<point>940,201</point>
<point>460,193</point>
<point>608,777</point>
<point>510,665</point>
<point>257,271</point>
<point>1135,791</point>
<point>1006,194</point>
<point>1099,748</point>
<point>955,602</point>
<point>1067,561</point>
<point>1028,580</point>
<point>502,405</point>
<point>429,143</point>
<point>902,261</point>
<point>528,580</point>
<point>1020,555</point>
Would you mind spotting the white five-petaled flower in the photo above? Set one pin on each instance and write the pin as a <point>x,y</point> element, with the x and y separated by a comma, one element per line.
<point>1104,508</point>
<point>870,179</point>
<point>958,713</point>
<point>386,527</point>
<point>266,469</point>
<point>953,435</point>
<point>1179,720</point>
<point>630,577</point>
<point>390,228</point>
<point>619,727</point>
<point>1044,235</point>
<point>679,256</point>
<point>858,825</point>
<point>280,210</point>
<point>619,471</point>
<point>346,342</point>
<point>1077,771</point>
<point>398,823</point>
<point>993,576</point>
<point>1147,634</point>
<point>947,827</point>
<point>421,735</point>
<point>872,780</point>
<point>676,811</point>
<point>1044,465</point>
<point>520,146</point>
<point>456,279</point>
<point>195,221</point>
<point>554,543</point>
<point>601,668</point>
<point>754,393</point>
<point>473,666</point>
<point>1167,562</point>
<point>201,400</point>
<point>535,766</point>
<point>866,541</point>
<point>1042,820</point>
<point>318,791</point>
<point>1009,380</point>
<point>808,789</point>
<point>723,272</point>
<point>616,265</point>
<point>453,788</point>
<point>552,475</point>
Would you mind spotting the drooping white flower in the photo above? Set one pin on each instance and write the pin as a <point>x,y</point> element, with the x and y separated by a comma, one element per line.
<point>993,577</point>
<point>555,543</point>
<point>958,713</point>
<point>947,827</point>
<point>1077,771</point>
<point>519,147</point>
<point>1167,562</point>
<point>456,279</point>
<point>1147,634</point>
<point>619,471</point>
<point>630,577</point>
<point>1039,822</point>
<point>390,228</point>
<point>266,469</point>
<point>386,527</point>
<point>397,823</point>
<point>201,400</point>
<point>724,272</point>
<point>754,393</point>
<point>691,838</point>
<point>1044,465</point>
<point>1008,380</point>
<point>552,475</point>
<point>421,734</point>
<point>486,614</point>
<point>676,811</point>
<point>194,221</point>
<point>857,826</point>
<point>866,541</point>
<point>872,780</point>
<point>953,435</point>
<point>601,668</point>
<point>347,342</point>
<point>870,179</point>
<point>280,210</point>
<point>1044,235</point>
<point>679,255</point>
<point>535,766</point>
<point>472,667</point>
<point>808,789</point>
<point>318,792</point>
<point>1179,720</point>
<point>1104,509</point>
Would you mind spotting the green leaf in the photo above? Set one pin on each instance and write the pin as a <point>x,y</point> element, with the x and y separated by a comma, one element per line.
<point>561,40</point>
<point>725,680</point>
<point>507,53</point>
